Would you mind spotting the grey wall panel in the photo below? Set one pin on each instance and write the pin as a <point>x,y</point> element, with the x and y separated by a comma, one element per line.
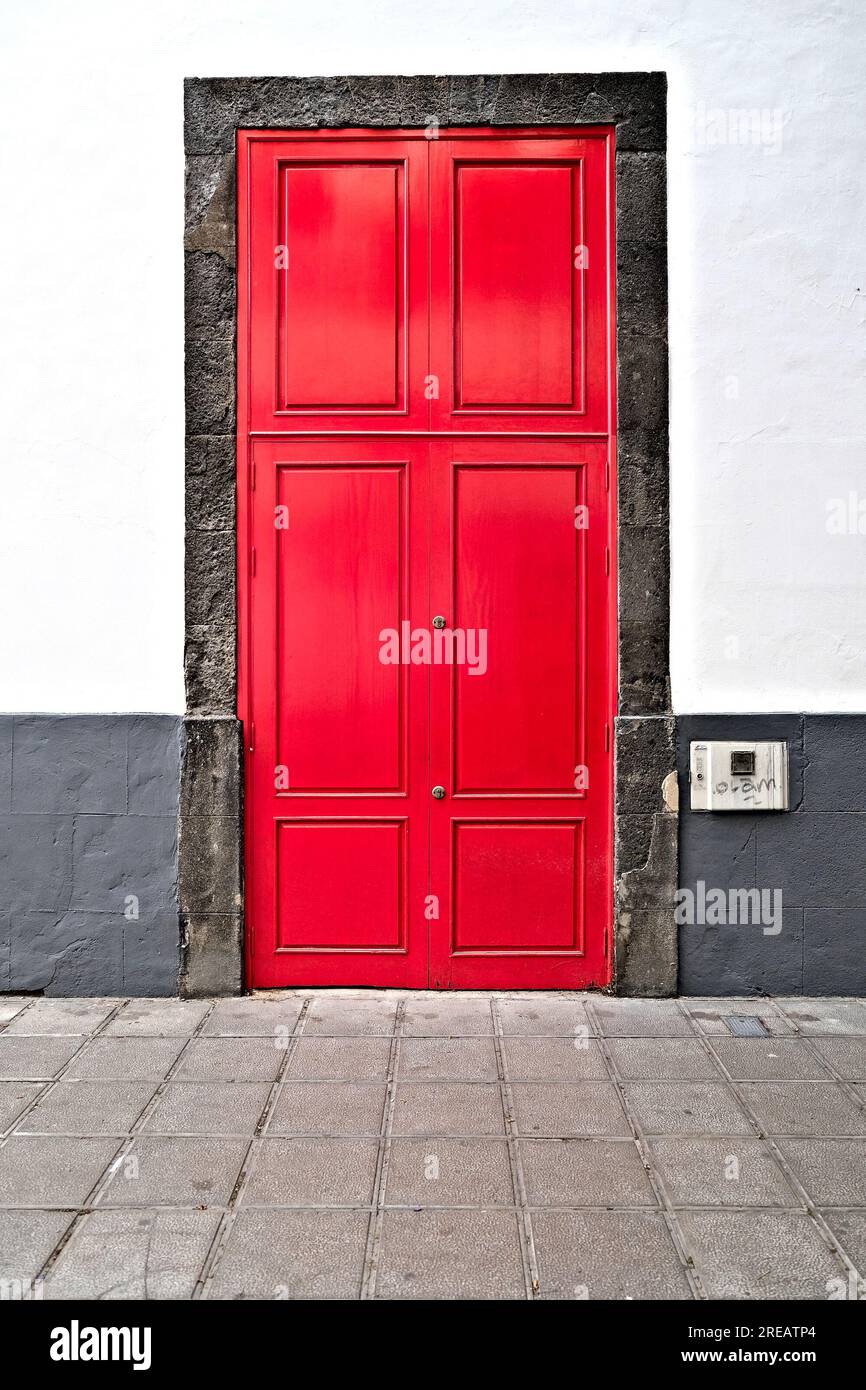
<point>814,855</point>
<point>88,853</point>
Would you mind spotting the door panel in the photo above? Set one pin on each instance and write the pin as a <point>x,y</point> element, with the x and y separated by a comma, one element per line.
<point>337,232</point>
<point>518,575</point>
<point>327,213</point>
<point>341,714</point>
<point>516,882</point>
<point>520,283</point>
<point>337,776</point>
<point>519,550</point>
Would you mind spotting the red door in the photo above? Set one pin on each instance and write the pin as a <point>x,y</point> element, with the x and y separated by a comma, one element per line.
<point>425,539</point>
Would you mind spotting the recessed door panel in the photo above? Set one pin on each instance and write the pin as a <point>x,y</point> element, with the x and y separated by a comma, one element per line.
<point>520,283</point>
<point>333,233</point>
<point>518,340</point>
<point>341,885</point>
<point>518,885</point>
<point>341,578</point>
<point>519,584</point>
<point>333,216</point>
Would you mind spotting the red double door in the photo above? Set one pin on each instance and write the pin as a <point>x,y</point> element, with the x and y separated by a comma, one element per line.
<point>425,540</point>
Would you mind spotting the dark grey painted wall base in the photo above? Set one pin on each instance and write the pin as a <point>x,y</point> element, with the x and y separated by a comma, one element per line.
<point>88,853</point>
<point>89,858</point>
<point>814,855</point>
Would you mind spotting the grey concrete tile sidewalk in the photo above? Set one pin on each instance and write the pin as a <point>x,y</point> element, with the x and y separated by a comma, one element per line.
<point>355,1144</point>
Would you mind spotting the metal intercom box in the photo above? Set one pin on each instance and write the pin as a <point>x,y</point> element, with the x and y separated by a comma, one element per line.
<point>738,776</point>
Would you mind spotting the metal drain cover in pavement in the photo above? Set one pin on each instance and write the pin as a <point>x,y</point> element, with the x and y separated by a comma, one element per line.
<point>746,1026</point>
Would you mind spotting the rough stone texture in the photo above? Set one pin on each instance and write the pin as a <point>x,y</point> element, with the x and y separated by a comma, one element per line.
<point>635,103</point>
<point>211,858</point>
<point>645,868</point>
<point>815,854</point>
<point>88,853</point>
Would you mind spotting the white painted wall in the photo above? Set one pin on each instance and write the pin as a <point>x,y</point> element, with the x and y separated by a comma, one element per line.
<point>768,405</point>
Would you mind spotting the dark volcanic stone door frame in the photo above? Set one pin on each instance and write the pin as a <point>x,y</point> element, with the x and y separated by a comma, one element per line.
<point>211,817</point>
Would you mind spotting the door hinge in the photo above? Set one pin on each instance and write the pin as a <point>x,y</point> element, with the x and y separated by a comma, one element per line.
<point>607,559</point>
<point>606,942</point>
<point>607,738</point>
<point>252,741</point>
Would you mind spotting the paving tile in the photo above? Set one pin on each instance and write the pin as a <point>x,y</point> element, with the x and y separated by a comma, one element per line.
<point>442,1172</point>
<point>686,1107</point>
<point>447,1018</point>
<point>51,1172</point>
<point>711,1015</point>
<point>813,1016</point>
<point>542,1017</point>
<point>354,1018</point>
<point>27,1238</point>
<point>11,1005</point>
<point>448,1059</point>
<point>157,1018</point>
<point>585,1107</point>
<point>849,1228</point>
<point>176,1172</point>
<point>833,1171</point>
<point>209,1107</point>
<point>59,1016</point>
<point>804,1107</point>
<point>641,1018</point>
<point>312,1172</point>
<point>726,1172</point>
<point>296,1235</point>
<point>125,1059</point>
<point>847,1056</point>
<point>757,1255</point>
<point>34,1059</point>
<point>450,1255</point>
<point>15,1096</point>
<point>253,1018</point>
<point>606,1254</point>
<point>585,1172</point>
<point>451,1107</point>
<point>340,1059</point>
<point>770,1059</point>
<point>88,1107</point>
<point>293,1255</point>
<point>554,1059</point>
<point>231,1059</point>
<point>328,1107</point>
<point>133,1255</point>
<point>659,1059</point>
